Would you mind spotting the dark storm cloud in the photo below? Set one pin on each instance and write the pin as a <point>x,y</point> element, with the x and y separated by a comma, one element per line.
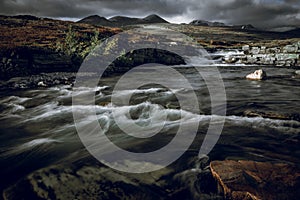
<point>261,13</point>
<point>79,8</point>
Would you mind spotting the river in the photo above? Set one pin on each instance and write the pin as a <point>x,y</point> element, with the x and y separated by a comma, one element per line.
<point>37,127</point>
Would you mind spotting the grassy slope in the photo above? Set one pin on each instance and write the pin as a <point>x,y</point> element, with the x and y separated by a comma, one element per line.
<point>35,32</point>
<point>230,37</point>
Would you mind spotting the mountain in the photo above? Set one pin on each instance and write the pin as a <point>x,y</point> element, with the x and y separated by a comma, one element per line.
<point>118,21</point>
<point>96,20</point>
<point>153,19</point>
<point>206,23</point>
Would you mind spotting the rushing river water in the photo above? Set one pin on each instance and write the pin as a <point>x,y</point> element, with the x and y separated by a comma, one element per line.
<point>37,127</point>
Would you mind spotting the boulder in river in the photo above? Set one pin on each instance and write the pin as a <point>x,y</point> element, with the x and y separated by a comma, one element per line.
<point>257,75</point>
<point>256,180</point>
<point>41,84</point>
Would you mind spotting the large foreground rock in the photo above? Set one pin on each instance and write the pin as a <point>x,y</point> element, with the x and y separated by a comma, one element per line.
<point>257,180</point>
<point>87,182</point>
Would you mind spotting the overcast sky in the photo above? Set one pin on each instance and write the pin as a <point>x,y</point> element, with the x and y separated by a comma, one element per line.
<point>260,13</point>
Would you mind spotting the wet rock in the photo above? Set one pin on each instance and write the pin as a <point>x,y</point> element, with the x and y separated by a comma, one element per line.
<point>143,56</point>
<point>230,59</point>
<point>297,72</point>
<point>39,80</point>
<point>251,59</point>
<point>290,49</point>
<point>41,84</point>
<point>257,75</point>
<point>273,50</point>
<point>246,48</point>
<point>196,184</point>
<point>262,50</point>
<point>256,180</point>
<point>255,50</point>
<point>87,182</point>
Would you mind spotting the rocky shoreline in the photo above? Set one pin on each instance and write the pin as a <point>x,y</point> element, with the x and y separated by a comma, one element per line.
<point>228,179</point>
<point>42,80</point>
<point>285,56</point>
<point>31,45</point>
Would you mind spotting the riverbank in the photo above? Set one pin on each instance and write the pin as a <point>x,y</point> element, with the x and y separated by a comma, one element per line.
<point>31,45</point>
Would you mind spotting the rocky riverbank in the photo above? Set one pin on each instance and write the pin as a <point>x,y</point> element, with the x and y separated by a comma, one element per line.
<point>58,46</point>
<point>287,55</point>
<point>227,179</point>
<point>39,80</point>
<point>31,45</point>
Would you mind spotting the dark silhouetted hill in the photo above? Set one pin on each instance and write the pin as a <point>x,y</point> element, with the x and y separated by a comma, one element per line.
<point>96,20</point>
<point>118,21</point>
<point>154,19</point>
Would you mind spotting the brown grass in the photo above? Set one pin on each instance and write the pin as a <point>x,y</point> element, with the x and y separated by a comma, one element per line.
<point>45,33</point>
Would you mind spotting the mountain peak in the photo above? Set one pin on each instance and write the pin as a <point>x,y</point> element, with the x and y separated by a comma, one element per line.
<point>122,20</point>
<point>96,20</point>
<point>153,18</point>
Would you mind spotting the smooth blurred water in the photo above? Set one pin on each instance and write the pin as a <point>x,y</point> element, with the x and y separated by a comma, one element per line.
<point>37,127</point>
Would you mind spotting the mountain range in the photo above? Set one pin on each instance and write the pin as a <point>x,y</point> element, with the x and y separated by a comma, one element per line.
<point>119,21</point>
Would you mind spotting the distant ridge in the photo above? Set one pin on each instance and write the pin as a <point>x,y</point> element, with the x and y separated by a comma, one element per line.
<point>206,23</point>
<point>125,21</point>
<point>295,32</point>
<point>121,20</point>
<point>220,24</point>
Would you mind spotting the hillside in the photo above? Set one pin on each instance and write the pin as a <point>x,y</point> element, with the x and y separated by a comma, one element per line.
<point>30,44</point>
<point>234,37</point>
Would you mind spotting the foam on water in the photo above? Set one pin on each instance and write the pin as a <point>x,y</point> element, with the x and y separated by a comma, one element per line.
<point>13,105</point>
<point>146,112</point>
<point>200,61</point>
<point>122,93</point>
<point>286,126</point>
<point>28,146</point>
<point>39,141</point>
<point>197,61</point>
<point>14,99</point>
